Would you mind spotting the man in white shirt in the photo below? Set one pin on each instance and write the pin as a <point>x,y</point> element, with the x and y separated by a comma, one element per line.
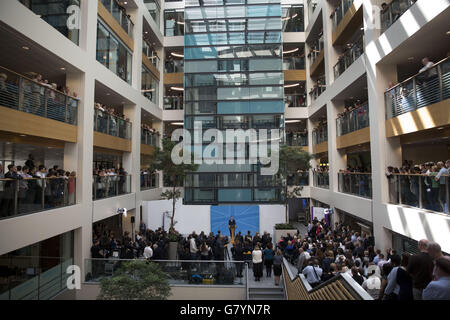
<point>148,251</point>
<point>193,248</point>
<point>428,65</point>
<point>441,177</point>
<point>313,273</point>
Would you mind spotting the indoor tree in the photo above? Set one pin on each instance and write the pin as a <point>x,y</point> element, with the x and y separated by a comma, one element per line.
<point>293,159</point>
<point>161,160</point>
<point>136,280</point>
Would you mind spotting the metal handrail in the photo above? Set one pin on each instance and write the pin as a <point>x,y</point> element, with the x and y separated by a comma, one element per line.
<point>107,116</point>
<point>390,14</point>
<point>415,76</point>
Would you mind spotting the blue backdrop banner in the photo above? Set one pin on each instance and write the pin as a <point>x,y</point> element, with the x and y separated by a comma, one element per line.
<point>247,218</point>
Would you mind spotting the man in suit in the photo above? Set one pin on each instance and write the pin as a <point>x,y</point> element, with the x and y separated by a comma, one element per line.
<point>232,227</point>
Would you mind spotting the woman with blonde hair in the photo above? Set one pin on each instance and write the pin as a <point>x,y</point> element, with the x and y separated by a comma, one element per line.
<point>257,263</point>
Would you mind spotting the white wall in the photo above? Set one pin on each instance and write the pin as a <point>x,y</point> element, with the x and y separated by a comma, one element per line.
<point>269,216</point>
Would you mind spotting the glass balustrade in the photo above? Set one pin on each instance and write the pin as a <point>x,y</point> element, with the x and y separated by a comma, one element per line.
<point>174,66</point>
<point>393,12</point>
<point>295,100</point>
<point>23,94</point>
<point>33,278</point>
<point>321,180</point>
<point>298,179</point>
<point>316,50</point>
<point>110,186</point>
<point>149,181</point>
<point>179,272</point>
<point>420,191</point>
<point>421,90</point>
<point>320,135</point>
<point>173,103</point>
<point>317,91</point>
<point>293,63</point>
<point>297,139</point>
<point>111,125</point>
<point>358,184</point>
<point>120,15</point>
<point>341,11</point>
<point>149,138</point>
<point>353,120</point>
<point>151,54</point>
<point>30,195</point>
<point>348,57</point>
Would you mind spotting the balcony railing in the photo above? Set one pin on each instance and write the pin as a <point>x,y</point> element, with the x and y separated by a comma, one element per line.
<point>111,125</point>
<point>321,180</point>
<point>30,195</point>
<point>110,186</point>
<point>320,135</point>
<point>348,57</point>
<point>149,181</point>
<point>179,272</point>
<point>353,121</point>
<point>173,103</point>
<point>174,66</point>
<point>295,100</point>
<point>293,63</point>
<point>394,11</point>
<point>23,94</point>
<point>316,49</point>
<point>421,191</point>
<point>426,88</point>
<point>317,91</point>
<point>149,138</point>
<point>297,139</point>
<point>33,278</point>
<point>151,55</point>
<point>340,12</point>
<point>299,179</point>
<point>358,184</point>
<point>120,15</point>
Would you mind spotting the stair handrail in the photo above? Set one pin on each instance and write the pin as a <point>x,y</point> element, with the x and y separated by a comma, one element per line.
<point>353,288</point>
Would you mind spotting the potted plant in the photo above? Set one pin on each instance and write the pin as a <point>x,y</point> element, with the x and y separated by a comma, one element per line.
<point>282,230</point>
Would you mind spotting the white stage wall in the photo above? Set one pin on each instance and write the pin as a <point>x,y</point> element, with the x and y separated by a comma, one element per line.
<point>197,218</point>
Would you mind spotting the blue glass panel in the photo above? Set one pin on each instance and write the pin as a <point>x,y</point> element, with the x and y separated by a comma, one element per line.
<point>200,53</point>
<point>233,107</point>
<point>234,195</point>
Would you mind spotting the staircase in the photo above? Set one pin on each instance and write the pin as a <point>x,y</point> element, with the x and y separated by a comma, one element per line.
<point>266,293</point>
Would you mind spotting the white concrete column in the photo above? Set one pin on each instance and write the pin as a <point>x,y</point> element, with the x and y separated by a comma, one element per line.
<point>336,158</point>
<point>330,53</point>
<point>137,18</point>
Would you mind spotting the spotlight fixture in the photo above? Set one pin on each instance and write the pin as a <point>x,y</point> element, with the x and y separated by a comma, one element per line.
<point>291,51</point>
<point>292,85</point>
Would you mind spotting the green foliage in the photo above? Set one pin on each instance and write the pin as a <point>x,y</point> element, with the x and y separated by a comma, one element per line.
<point>284,226</point>
<point>136,280</point>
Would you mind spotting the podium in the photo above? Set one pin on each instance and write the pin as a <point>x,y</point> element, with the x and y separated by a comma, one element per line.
<point>232,229</point>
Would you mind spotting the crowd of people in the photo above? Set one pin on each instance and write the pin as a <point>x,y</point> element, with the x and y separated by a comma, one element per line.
<point>353,118</point>
<point>325,252</point>
<point>34,92</point>
<point>321,254</point>
<point>32,187</point>
<point>297,138</point>
<point>110,182</point>
<point>111,122</point>
<point>421,183</point>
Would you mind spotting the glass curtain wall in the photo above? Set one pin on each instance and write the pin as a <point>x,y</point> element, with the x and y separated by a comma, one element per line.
<point>112,53</point>
<point>233,80</point>
<point>63,15</point>
<point>154,8</point>
<point>150,85</point>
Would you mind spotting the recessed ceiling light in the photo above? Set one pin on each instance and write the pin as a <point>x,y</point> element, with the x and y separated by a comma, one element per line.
<point>108,94</point>
<point>177,55</point>
<point>448,33</point>
<point>25,48</point>
<point>177,123</point>
<point>441,128</point>
<point>411,58</point>
<point>291,51</point>
<point>62,68</point>
<point>177,89</point>
<point>293,121</point>
<point>23,135</point>
<point>292,85</point>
